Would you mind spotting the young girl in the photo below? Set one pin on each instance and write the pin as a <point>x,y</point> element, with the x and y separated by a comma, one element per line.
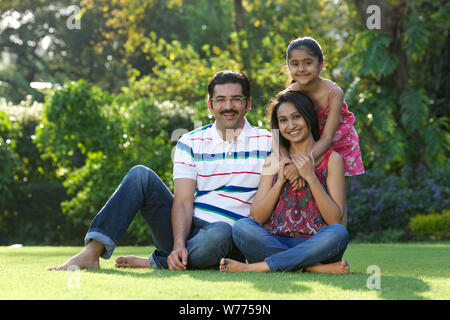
<point>305,61</point>
<point>288,229</point>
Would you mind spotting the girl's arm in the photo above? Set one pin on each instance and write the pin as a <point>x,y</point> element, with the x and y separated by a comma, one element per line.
<point>331,204</point>
<point>336,101</point>
<point>267,195</point>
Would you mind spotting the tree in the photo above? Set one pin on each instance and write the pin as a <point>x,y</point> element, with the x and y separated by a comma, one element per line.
<point>43,46</point>
<point>399,100</point>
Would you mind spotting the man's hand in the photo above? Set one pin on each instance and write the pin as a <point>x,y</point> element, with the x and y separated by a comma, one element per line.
<point>178,258</point>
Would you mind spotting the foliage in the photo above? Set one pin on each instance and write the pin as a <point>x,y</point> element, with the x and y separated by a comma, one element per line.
<point>95,138</point>
<point>433,225</point>
<point>385,236</point>
<point>31,195</point>
<point>378,202</point>
<point>371,55</point>
<point>396,87</point>
<point>133,79</point>
<point>399,129</point>
<point>8,158</point>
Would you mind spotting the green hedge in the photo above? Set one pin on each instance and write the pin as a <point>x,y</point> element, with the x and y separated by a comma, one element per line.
<point>431,226</point>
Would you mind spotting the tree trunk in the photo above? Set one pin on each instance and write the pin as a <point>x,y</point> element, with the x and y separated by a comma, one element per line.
<point>241,36</point>
<point>392,17</point>
<point>391,22</point>
<point>238,15</point>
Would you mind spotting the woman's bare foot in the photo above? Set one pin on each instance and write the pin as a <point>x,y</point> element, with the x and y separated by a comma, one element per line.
<point>229,265</point>
<point>341,267</point>
<point>132,262</point>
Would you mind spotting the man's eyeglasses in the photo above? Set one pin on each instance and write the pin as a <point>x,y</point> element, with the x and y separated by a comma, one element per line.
<point>222,100</point>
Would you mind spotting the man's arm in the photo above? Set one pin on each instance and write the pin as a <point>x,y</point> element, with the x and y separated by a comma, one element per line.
<point>182,212</point>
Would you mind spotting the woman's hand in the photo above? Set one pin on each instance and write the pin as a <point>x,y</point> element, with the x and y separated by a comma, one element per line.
<point>281,176</point>
<point>292,174</point>
<point>305,166</point>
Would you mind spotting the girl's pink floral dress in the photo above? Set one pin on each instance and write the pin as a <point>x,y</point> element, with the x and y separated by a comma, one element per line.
<point>346,140</point>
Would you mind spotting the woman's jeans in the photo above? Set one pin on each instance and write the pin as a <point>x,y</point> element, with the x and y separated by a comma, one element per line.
<point>142,190</point>
<point>286,253</point>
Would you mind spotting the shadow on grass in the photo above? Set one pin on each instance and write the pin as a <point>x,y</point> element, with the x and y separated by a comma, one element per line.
<point>391,287</point>
<point>401,265</point>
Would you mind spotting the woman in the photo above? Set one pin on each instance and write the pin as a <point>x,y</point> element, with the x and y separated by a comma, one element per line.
<point>288,229</point>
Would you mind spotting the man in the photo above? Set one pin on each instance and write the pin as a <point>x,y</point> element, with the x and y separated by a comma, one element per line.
<point>216,174</point>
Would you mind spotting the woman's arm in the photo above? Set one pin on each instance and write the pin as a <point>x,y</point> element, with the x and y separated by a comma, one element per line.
<point>267,195</point>
<point>336,184</point>
<point>334,117</point>
<point>331,204</point>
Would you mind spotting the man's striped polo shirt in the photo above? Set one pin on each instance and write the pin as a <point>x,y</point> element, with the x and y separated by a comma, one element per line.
<point>227,173</point>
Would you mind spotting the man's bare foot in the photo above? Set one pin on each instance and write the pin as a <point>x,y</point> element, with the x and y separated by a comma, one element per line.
<point>83,260</point>
<point>89,258</point>
<point>229,265</point>
<point>341,267</point>
<point>132,262</point>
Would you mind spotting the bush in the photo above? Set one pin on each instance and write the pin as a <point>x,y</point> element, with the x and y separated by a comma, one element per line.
<point>9,159</point>
<point>95,139</point>
<point>431,226</point>
<point>378,202</point>
<point>386,236</point>
<point>30,193</point>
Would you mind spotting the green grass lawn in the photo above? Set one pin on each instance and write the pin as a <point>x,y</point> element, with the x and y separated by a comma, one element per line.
<point>407,271</point>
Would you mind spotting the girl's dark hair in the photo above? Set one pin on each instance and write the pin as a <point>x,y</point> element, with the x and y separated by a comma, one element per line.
<point>304,106</point>
<point>307,43</point>
<point>230,76</point>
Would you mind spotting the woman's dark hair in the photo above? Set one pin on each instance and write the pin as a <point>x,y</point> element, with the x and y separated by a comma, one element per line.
<point>304,106</point>
<point>307,43</point>
<point>230,76</point>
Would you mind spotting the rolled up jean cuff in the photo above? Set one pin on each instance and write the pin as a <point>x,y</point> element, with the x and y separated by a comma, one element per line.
<point>110,245</point>
<point>272,268</point>
<point>153,262</point>
<point>268,261</point>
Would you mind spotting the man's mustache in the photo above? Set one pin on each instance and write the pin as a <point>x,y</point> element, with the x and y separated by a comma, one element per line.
<point>228,111</point>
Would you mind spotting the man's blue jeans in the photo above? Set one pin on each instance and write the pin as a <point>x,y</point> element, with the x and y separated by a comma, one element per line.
<point>143,190</point>
<point>285,253</point>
